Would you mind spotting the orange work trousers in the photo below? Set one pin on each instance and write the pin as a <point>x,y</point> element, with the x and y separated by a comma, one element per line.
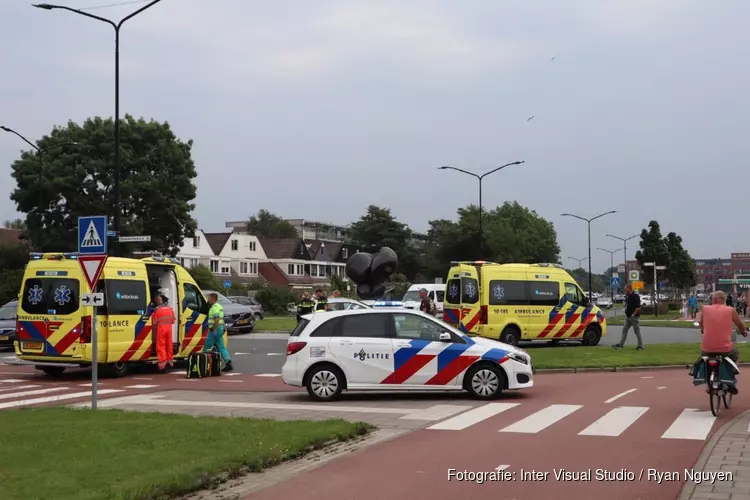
<point>164,346</point>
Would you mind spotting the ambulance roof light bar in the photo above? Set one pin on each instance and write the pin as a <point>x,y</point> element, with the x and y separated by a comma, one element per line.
<point>53,255</point>
<point>472,262</point>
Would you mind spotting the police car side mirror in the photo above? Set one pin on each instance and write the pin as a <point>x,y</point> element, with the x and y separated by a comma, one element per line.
<point>445,337</point>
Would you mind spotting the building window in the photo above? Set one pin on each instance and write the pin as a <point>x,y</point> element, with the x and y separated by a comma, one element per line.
<point>251,246</point>
<point>235,245</point>
<point>214,266</point>
<point>300,269</point>
<point>290,269</point>
<point>253,268</point>
<point>344,253</point>
<point>243,267</point>
<point>224,270</point>
<point>196,241</point>
<point>313,270</point>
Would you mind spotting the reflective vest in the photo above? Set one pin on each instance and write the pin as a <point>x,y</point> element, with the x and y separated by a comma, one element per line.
<point>163,316</point>
<point>322,304</point>
<point>216,311</point>
<point>305,306</point>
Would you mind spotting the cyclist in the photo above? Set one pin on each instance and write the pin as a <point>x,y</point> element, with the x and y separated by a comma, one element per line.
<point>716,327</point>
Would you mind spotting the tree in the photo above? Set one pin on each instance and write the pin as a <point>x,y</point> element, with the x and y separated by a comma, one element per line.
<point>512,233</point>
<point>13,259</point>
<point>204,277</point>
<point>379,228</point>
<point>653,249</point>
<point>681,271</point>
<point>156,182</point>
<point>268,225</point>
<point>15,224</point>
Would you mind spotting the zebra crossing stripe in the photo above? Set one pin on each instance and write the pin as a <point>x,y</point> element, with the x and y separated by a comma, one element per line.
<point>542,419</point>
<point>691,424</point>
<point>615,422</point>
<point>23,394</point>
<point>471,417</point>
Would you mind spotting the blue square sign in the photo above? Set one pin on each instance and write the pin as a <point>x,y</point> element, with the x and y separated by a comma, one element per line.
<point>92,235</point>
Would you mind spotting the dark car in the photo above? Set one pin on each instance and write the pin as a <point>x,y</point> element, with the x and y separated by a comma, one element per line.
<point>8,323</point>
<point>237,318</point>
<point>256,306</point>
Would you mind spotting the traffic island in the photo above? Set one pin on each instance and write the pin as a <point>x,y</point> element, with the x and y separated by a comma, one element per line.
<point>113,454</point>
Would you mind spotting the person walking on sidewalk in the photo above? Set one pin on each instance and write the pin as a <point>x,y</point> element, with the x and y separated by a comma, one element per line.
<point>693,303</point>
<point>215,335</point>
<point>632,318</point>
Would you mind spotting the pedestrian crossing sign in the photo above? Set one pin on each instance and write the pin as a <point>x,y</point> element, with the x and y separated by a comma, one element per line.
<point>614,282</point>
<point>92,235</point>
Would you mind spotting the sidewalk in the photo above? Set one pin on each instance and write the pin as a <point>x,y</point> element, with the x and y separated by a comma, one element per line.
<point>727,451</point>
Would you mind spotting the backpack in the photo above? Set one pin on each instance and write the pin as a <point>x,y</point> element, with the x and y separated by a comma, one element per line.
<point>199,365</point>
<point>217,363</point>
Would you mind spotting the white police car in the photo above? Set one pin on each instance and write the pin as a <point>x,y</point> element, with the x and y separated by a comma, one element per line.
<point>387,349</point>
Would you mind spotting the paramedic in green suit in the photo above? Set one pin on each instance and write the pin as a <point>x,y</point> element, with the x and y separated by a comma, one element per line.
<point>216,330</point>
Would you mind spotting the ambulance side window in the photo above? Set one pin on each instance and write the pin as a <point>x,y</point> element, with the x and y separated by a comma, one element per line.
<point>194,299</point>
<point>508,293</point>
<point>544,293</point>
<point>126,297</point>
<point>574,294</point>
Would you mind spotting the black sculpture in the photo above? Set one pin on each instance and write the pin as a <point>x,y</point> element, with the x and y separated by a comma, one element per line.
<point>370,272</point>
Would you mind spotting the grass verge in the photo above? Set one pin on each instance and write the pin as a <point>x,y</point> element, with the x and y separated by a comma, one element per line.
<point>653,322</point>
<point>607,357</point>
<point>77,454</point>
<point>276,324</point>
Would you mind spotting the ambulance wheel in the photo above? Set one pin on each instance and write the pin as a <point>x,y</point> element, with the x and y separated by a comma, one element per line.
<point>52,371</point>
<point>510,335</point>
<point>325,382</point>
<point>591,336</point>
<point>485,381</point>
<point>114,370</point>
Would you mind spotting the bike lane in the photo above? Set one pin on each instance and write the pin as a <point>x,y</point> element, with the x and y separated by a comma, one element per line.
<point>418,464</point>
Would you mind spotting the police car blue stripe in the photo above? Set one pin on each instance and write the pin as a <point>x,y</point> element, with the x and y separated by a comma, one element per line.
<point>450,353</point>
<point>494,354</point>
<point>404,354</point>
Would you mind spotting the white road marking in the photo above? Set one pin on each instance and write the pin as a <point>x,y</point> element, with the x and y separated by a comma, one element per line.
<point>276,354</point>
<point>615,422</point>
<point>501,467</point>
<point>614,398</point>
<point>691,424</point>
<point>142,378</point>
<point>231,381</point>
<point>233,374</point>
<point>437,412</point>
<point>647,377</point>
<point>140,386</point>
<point>13,380</point>
<point>52,399</point>
<point>542,419</point>
<point>23,394</point>
<point>267,375</point>
<point>18,387</point>
<point>474,416</point>
<point>240,353</point>
<point>661,387</point>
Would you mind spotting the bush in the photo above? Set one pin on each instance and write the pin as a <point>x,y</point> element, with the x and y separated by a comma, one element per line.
<point>275,299</point>
<point>650,310</point>
<point>674,306</point>
<point>204,277</point>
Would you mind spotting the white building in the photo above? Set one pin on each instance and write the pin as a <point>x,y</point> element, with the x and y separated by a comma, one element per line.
<point>195,251</point>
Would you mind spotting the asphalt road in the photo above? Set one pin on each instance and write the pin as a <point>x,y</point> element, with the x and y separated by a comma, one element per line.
<point>264,353</point>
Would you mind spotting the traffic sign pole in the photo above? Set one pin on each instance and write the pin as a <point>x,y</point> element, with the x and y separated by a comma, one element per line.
<point>94,359</point>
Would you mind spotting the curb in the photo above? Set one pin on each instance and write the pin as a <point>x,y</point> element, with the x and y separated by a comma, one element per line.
<point>688,488</point>
<point>618,369</point>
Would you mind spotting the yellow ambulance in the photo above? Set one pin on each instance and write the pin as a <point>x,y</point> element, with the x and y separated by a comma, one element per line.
<point>512,302</point>
<point>54,329</point>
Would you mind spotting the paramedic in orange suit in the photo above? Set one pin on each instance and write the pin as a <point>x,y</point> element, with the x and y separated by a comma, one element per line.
<point>163,317</point>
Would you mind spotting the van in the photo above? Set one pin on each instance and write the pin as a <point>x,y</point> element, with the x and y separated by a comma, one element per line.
<point>514,302</point>
<point>436,292</point>
<point>54,328</point>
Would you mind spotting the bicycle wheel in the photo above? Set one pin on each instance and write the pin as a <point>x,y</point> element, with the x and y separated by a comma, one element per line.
<point>715,401</point>
<point>727,397</point>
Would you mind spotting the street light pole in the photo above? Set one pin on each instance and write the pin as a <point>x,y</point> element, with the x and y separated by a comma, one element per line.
<point>116,26</point>
<point>480,178</point>
<point>588,222</point>
<point>624,251</point>
<point>611,266</point>
<point>579,261</point>
<point>39,153</point>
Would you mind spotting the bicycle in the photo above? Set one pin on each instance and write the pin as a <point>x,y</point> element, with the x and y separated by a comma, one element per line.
<point>718,391</point>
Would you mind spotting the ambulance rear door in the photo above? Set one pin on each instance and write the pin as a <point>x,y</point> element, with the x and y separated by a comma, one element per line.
<point>462,308</point>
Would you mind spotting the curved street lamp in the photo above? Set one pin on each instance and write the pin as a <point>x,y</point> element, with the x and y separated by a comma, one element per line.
<point>611,266</point>
<point>579,261</point>
<point>480,177</point>
<point>624,252</point>
<point>588,222</point>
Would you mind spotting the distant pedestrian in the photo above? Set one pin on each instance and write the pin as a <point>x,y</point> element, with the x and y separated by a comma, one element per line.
<point>305,306</point>
<point>322,299</point>
<point>730,300</point>
<point>427,305</point>
<point>693,304</point>
<point>632,318</point>
<point>336,294</point>
<point>215,337</point>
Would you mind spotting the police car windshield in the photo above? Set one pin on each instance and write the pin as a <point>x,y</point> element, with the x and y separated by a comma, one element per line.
<point>411,296</point>
<point>8,311</point>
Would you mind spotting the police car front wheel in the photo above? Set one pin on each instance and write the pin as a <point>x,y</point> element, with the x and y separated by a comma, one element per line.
<point>325,383</point>
<point>485,381</point>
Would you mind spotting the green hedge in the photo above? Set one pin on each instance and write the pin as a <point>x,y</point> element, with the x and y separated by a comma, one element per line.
<point>647,310</point>
<point>275,299</point>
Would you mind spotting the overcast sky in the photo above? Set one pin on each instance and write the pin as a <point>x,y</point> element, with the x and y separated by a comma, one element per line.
<point>317,109</point>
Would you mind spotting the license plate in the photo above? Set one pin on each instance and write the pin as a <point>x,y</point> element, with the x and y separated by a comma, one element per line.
<point>32,346</point>
<point>4,337</point>
<point>242,322</point>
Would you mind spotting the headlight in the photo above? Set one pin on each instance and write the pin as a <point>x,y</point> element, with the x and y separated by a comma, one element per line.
<point>518,357</point>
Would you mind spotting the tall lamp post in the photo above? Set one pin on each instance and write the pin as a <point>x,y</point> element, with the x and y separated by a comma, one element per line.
<point>116,26</point>
<point>579,261</point>
<point>611,266</point>
<point>480,178</point>
<point>40,156</point>
<point>624,251</point>
<point>588,222</point>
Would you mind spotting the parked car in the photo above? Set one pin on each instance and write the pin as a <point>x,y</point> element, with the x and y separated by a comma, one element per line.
<point>334,304</point>
<point>604,302</point>
<point>237,317</point>
<point>256,306</point>
<point>8,323</point>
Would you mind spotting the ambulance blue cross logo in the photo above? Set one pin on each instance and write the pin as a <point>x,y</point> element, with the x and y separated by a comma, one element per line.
<point>36,295</point>
<point>92,235</point>
<point>62,295</point>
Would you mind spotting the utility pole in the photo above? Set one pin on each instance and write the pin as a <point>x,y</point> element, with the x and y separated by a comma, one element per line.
<point>653,288</point>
